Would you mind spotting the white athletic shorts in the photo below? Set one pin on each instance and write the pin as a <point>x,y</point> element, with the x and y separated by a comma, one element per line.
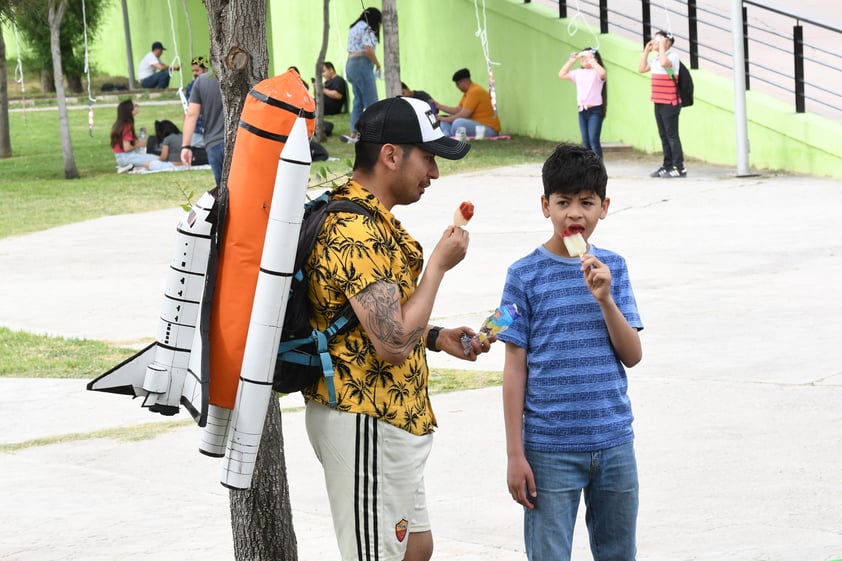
<point>374,474</point>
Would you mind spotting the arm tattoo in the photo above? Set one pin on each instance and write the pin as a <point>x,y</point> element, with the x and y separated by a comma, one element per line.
<point>382,302</point>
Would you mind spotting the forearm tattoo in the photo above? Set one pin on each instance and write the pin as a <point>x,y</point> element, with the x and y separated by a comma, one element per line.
<point>382,302</point>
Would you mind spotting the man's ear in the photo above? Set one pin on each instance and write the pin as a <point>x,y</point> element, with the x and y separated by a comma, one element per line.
<point>389,156</point>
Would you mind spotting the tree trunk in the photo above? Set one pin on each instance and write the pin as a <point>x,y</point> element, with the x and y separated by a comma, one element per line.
<point>239,55</point>
<point>318,89</point>
<point>5,136</point>
<point>47,83</point>
<point>74,83</point>
<point>261,517</point>
<point>55,16</point>
<point>391,50</point>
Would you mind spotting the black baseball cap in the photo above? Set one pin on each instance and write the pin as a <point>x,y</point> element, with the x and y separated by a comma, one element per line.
<point>158,45</point>
<point>406,120</point>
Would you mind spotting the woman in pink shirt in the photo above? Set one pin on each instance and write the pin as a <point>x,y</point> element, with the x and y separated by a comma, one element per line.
<point>591,95</point>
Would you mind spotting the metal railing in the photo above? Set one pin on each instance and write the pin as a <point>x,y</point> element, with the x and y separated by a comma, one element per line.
<point>788,56</point>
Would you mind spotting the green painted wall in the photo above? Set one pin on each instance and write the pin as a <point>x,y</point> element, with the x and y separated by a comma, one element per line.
<point>149,21</point>
<point>528,44</point>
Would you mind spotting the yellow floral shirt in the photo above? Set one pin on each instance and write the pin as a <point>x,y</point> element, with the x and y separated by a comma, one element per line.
<point>352,252</point>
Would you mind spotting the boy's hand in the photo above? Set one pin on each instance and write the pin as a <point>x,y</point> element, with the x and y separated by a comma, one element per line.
<point>521,482</point>
<point>597,277</point>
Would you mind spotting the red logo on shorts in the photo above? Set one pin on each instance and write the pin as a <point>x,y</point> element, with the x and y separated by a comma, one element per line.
<point>400,529</point>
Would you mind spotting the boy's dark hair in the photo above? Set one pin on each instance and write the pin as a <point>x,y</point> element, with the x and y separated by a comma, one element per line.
<point>572,169</point>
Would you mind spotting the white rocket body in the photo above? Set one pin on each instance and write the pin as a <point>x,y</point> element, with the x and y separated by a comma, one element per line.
<point>267,317</point>
<point>163,373</point>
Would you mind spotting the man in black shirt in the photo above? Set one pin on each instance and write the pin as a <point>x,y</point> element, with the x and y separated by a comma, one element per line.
<point>335,90</point>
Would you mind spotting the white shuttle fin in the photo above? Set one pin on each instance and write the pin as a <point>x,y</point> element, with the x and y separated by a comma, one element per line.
<point>162,373</point>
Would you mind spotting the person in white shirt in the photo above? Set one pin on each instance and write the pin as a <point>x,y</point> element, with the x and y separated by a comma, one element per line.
<point>153,73</point>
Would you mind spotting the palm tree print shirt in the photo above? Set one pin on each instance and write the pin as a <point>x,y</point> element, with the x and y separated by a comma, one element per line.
<point>352,252</point>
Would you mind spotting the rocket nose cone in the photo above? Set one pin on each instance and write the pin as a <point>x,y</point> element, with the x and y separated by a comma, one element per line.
<point>297,147</point>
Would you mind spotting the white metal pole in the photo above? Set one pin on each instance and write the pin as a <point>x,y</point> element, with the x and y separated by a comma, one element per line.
<point>740,118</point>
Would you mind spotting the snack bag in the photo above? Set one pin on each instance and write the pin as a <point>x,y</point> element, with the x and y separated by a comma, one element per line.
<point>499,321</point>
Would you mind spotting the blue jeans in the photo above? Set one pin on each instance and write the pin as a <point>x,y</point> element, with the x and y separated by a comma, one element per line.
<point>449,129</point>
<point>135,158</point>
<point>216,157</point>
<point>590,125</point>
<point>608,479</point>
<point>159,80</point>
<point>359,70</point>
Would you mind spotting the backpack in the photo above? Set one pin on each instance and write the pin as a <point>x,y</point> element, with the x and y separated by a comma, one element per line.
<point>302,354</point>
<point>200,156</point>
<point>684,85</point>
<point>318,153</point>
<point>153,145</point>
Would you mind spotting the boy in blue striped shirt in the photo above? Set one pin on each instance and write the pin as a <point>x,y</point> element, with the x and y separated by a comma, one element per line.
<point>567,414</point>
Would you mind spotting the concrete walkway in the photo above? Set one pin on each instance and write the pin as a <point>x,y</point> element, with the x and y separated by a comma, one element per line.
<point>737,400</point>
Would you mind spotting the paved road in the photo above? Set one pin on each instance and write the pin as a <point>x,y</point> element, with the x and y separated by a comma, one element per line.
<point>738,422</point>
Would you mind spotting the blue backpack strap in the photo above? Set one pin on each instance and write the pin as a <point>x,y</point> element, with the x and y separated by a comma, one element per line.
<point>327,366</point>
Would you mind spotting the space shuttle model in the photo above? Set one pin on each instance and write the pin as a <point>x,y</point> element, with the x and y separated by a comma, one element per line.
<point>223,309</point>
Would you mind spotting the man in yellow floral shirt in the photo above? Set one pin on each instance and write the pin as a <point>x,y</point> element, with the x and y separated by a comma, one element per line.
<point>374,444</point>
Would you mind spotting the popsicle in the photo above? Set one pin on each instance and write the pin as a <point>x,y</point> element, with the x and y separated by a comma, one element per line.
<point>463,214</point>
<point>574,242</point>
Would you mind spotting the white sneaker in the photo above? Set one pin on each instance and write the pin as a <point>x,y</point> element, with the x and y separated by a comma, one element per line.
<point>348,139</point>
<point>125,168</point>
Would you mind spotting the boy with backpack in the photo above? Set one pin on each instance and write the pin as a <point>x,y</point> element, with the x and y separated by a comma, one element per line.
<point>664,68</point>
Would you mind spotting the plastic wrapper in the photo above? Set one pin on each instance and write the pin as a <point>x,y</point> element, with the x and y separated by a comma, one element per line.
<point>499,321</point>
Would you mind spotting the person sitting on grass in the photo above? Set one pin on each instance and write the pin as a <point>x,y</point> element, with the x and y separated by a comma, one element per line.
<point>129,151</point>
<point>419,94</point>
<point>152,72</point>
<point>170,138</point>
<point>475,108</point>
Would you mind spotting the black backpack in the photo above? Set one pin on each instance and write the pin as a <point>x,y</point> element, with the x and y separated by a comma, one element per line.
<point>302,354</point>
<point>684,85</point>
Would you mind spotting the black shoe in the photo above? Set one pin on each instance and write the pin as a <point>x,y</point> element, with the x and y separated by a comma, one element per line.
<point>660,172</point>
<point>675,172</point>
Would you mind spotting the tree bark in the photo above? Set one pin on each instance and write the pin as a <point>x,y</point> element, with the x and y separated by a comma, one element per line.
<point>261,517</point>
<point>239,56</point>
<point>74,83</point>
<point>318,86</point>
<point>48,85</point>
<point>5,135</point>
<point>391,50</point>
<point>56,13</point>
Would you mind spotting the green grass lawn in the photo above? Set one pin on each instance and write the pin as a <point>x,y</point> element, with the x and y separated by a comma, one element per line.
<point>36,197</point>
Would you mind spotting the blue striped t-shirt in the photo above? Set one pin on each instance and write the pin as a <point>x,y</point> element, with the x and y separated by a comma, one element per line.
<point>576,398</point>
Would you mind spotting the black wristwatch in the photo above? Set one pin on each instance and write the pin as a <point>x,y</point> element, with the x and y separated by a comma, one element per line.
<point>432,336</point>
